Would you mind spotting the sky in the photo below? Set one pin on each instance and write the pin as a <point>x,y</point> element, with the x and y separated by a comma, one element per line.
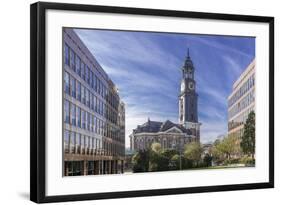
<point>146,68</point>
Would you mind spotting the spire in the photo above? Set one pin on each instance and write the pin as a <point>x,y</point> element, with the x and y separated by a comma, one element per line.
<point>188,61</point>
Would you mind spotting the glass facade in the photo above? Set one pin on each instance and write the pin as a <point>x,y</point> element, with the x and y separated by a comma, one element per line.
<point>242,90</point>
<point>91,108</point>
<point>241,102</point>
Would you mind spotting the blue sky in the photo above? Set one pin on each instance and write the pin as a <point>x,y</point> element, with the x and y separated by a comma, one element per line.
<point>146,67</point>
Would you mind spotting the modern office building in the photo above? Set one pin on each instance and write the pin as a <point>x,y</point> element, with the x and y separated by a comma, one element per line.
<point>241,101</point>
<point>94,116</point>
<point>171,135</point>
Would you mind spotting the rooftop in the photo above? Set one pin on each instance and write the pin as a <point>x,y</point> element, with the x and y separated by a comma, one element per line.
<point>156,126</point>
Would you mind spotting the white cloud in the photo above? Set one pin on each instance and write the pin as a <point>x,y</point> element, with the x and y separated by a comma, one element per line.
<point>219,46</point>
<point>210,130</point>
<point>233,66</point>
<point>124,57</point>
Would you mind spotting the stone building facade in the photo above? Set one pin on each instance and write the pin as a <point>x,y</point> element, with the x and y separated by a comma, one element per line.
<point>168,134</point>
<point>172,135</point>
<point>94,115</point>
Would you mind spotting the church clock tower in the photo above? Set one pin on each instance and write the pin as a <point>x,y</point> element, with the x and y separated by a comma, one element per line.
<point>188,114</point>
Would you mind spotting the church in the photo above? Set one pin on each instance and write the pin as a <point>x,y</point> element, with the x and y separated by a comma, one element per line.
<point>173,135</point>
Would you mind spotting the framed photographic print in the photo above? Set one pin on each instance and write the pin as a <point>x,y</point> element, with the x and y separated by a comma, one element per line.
<point>129,102</point>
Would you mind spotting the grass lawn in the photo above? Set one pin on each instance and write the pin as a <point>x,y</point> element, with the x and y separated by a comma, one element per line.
<point>219,167</point>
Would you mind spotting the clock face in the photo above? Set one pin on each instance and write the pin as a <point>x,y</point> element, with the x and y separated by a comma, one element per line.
<point>182,86</point>
<point>191,85</point>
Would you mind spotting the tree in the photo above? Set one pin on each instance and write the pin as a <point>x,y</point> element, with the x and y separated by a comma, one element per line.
<point>159,158</point>
<point>140,161</point>
<point>193,152</point>
<point>248,138</point>
<point>226,148</point>
<point>156,147</point>
<point>207,160</point>
<point>174,163</point>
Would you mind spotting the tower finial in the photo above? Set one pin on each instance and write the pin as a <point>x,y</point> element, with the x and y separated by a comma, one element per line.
<point>188,53</point>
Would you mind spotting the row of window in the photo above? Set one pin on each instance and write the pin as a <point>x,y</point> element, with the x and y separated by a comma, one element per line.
<point>239,120</point>
<point>242,90</point>
<point>76,168</point>
<point>76,116</point>
<point>76,90</point>
<point>141,144</point>
<point>73,139</point>
<point>245,102</point>
<point>85,72</point>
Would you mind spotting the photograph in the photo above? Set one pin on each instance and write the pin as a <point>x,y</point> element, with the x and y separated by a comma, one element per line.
<point>144,101</point>
<point>134,102</point>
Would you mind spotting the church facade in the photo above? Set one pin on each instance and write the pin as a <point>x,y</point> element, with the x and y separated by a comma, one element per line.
<point>173,135</point>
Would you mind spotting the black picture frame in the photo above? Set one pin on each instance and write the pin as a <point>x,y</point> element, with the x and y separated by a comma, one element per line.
<point>38,101</point>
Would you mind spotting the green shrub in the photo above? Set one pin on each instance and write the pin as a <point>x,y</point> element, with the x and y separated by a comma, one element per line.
<point>248,161</point>
<point>231,161</point>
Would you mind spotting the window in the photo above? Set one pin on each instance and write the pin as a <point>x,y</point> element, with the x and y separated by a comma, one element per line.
<point>95,103</point>
<point>99,144</point>
<point>91,100</point>
<point>95,124</point>
<point>82,137</point>
<point>86,141</point>
<point>83,119</point>
<point>72,138</point>
<point>66,137</point>
<point>106,111</point>
<point>66,111</point>
<point>99,127</point>
<point>102,128</point>
<point>78,139</point>
<point>87,97</point>
<point>78,116</point>
<point>103,91</point>
<point>78,61</point>
<point>95,82</point>
<point>98,86</point>
<point>78,90</point>
<point>83,94</point>
<point>73,114</point>
<point>66,83</point>
<point>91,122</point>
<point>103,109</point>
<point>82,70</point>
<point>88,120</point>
<point>88,75</point>
<point>72,59</point>
<point>91,79</point>
<point>73,86</point>
<point>98,105</point>
<point>90,143</point>
<point>94,143</point>
<point>66,54</point>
